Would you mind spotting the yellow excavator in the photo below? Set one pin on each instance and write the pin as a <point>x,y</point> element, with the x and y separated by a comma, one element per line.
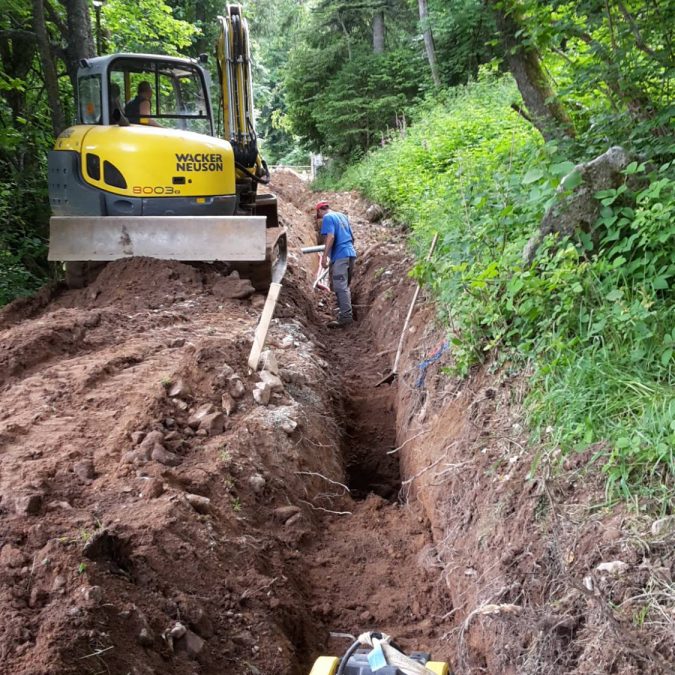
<point>182,182</point>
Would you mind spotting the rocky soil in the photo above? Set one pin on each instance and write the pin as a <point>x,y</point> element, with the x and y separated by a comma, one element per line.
<point>164,510</point>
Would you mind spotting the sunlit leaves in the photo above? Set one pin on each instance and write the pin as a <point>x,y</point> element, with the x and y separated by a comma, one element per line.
<point>146,26</point>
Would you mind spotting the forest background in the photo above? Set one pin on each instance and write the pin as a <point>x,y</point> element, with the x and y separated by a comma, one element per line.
<point>475,119</point>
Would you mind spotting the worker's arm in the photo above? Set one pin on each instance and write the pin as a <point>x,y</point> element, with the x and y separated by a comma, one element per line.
<point>144,110</point>
<point>325,259</point>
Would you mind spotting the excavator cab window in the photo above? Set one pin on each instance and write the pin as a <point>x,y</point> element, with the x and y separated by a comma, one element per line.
<point>181,95</point>
<point>179,99</point>
<point>115,96</point>
<point>89,96</point>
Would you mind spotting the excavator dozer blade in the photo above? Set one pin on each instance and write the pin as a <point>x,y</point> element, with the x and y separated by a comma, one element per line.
<point>187,238</point>
<point>262,274</point>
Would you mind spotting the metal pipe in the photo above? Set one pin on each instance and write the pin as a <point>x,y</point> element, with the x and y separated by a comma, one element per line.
<point>313,249</point>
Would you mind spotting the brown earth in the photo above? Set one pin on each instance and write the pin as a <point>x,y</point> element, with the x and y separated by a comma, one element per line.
<point>155,519</point>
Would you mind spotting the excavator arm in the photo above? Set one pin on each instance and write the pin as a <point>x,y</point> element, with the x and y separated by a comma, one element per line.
<point>233,54</point>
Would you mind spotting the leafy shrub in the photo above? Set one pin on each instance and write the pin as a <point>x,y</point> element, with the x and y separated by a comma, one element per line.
<point>15,279</point>
<point>593,316</point>
<point>24,214</point>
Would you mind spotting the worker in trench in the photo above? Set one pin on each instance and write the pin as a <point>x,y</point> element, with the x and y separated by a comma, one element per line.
<point>340,255</point>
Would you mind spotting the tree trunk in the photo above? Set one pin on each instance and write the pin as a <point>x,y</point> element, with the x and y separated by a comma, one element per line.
<point>80,39</point>
<point>17,49</point>
<point>346,34</point>
<point>547,113</point>
<point>429,41</point>
<point>378,32</point>
<point>48,67</point>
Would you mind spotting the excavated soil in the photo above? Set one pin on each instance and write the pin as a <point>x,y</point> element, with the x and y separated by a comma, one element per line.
<point>154,518</point>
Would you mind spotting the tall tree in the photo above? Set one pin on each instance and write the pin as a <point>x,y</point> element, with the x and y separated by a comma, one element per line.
<point>17,50</point>
<point>48,67</point>
<point>378,31</point>
<point>545,110</point>
<point>79,37</point>
<point>429,41</point>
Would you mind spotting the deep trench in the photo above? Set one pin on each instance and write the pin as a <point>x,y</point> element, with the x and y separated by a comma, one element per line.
<point>363,571</point>
<point>369,444</point>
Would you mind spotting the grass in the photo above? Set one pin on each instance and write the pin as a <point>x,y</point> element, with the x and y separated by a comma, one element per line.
<point>599,394</point>
<point>593,319</point>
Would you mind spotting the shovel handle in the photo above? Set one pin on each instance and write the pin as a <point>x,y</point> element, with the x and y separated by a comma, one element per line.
<point>410,310</point>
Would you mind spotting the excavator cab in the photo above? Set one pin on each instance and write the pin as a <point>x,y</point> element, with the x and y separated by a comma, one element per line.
<point>163,185</point>
<point>181,90</point>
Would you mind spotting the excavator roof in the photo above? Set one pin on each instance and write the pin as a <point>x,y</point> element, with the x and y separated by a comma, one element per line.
<point>100,64</point>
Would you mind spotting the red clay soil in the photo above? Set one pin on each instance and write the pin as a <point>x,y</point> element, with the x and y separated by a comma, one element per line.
<point>155,519</point>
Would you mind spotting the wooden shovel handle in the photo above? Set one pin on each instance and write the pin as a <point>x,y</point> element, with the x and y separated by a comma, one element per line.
<point>412,307</point>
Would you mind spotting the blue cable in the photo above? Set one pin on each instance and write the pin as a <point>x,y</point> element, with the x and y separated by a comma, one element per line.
<point>427,362</point>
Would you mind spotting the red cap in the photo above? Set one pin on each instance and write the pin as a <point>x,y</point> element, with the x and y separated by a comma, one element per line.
<point>321,205</point>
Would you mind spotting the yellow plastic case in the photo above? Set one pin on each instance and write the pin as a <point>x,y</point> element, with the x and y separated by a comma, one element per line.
<point>325,665</point>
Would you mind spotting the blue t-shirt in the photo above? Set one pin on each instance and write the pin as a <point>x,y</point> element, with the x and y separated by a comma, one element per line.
<point>337,224</point>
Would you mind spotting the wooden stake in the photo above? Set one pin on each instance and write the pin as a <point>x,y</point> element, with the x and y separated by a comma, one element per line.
<point>394,371</point>
<point>263,325</point>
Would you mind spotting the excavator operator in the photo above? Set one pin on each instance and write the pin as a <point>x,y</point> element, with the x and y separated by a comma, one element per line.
<point>137,110</point>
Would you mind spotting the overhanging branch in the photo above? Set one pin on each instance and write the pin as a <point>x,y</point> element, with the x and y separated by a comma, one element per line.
<point>18,34</point>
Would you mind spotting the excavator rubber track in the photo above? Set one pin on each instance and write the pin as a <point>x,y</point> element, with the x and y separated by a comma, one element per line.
<point>261,275</point>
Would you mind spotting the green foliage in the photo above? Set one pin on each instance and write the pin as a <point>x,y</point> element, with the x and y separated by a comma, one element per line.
<point>342,97</point>
<point>274,26</point>
<point>458,137</point>
<point>15,279</point>
<point>593,316</point>
<point>25,138</point>
<point>328,176</point>
<point>364,99</point>
<point>612,61</point>
<point>146,26</point>
<point>464,36</point>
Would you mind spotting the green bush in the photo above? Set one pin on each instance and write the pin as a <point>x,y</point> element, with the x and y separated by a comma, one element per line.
<point>592,316</point>
<point>15,279</point>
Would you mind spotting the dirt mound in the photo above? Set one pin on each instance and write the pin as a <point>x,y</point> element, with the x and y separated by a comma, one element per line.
<point>25,308</point>
<point>138,283</point>
<point>154,516</point>
<point>25,347</point>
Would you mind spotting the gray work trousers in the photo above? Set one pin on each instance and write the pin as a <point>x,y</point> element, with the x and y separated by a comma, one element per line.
<point>341,271</point>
